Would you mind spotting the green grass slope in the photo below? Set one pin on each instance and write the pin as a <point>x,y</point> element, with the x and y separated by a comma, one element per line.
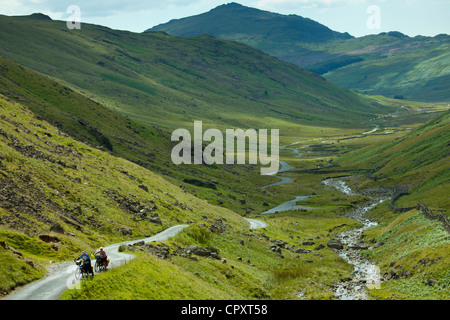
<point>143,144</point>
<point>236,22</point>
<point>390,64</point>
<point>418,161</point>
<point>170,81</point>
<point>407,68</point>
<point>59,196</point>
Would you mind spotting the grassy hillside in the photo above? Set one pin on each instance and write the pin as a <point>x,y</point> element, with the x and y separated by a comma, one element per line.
<point>171,81</point>
<point>145,145</point>
<point>417,161</point>
<point>79,196</point>
<point>407,68</point>
<point>390,64</point>
<point>236,22</point>
<point>85,162</point>
<point>282,36</point>
<point>414,258</point>
<point>127,92</point>
<point>60,196</point>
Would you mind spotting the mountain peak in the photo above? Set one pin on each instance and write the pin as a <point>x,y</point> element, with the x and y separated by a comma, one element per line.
<point>233,19</point>
<point>230,5</point>
<point>40,16</point>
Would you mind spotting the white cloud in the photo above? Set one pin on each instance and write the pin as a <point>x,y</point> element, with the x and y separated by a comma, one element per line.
<point>292,4</point>
<point>89,8</point>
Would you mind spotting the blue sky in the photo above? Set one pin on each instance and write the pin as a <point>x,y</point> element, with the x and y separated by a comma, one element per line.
<point>412,17</point>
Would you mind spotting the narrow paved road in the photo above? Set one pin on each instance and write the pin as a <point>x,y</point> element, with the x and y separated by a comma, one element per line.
<point>52,286</point>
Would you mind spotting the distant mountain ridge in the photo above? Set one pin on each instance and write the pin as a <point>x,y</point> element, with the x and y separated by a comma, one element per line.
<point>390,63</point>
<point>167,81</point>
<point>254,25</point>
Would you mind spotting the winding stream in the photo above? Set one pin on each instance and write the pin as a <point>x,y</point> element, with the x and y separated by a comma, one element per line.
<point>291,204</point>
<point>365,272</point>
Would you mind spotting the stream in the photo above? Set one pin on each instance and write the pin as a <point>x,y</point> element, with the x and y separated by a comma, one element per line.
<point>365,272</point>
<point>291,204</point>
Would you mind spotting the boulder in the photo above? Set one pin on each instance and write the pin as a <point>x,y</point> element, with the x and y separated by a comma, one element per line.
<point>275,249</point>
<point>335,244</point>
<point>143,187</point>
<point>155,218</point>
<point>319,247</point>
<point>48,238</point>
<point>431,281</point>
<point>300,250</point>
<point>56,227</point>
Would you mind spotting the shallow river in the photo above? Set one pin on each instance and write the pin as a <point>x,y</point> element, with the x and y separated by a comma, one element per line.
<point>365,272</point>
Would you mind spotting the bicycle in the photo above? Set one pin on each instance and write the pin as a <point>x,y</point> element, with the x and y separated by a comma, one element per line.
<point>80,272</point>
<point>99,265</point>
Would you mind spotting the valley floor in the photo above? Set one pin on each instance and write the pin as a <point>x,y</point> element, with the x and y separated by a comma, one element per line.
<point>314,247</point>
<point>298,255</point>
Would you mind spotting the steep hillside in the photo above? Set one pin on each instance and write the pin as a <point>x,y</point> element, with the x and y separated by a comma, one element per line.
<point>282,36</point>
<point>59,196</point>
<point>418,163</point>
<point>413,239</point>
<point>170,81</point>
<point>393,65</point>
<point>236,22</point>
<point>143,144</point>
<point>390,64</point>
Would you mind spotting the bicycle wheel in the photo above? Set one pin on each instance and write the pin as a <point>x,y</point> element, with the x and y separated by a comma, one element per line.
<point>78,274</point>
<point>97,267</point>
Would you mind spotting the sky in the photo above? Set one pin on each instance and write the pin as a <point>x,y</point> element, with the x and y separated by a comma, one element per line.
<point>357,17</point>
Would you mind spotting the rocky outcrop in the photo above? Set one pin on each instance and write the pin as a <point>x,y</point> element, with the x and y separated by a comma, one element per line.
<point>218,226</point>
<point>164,251</point>
<point>133,206</point>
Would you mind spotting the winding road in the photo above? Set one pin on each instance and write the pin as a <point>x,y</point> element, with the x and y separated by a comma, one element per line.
<point>52,286</point>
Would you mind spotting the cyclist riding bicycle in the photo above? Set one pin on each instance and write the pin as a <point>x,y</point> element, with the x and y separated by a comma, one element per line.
<point>87,267</point>
<point>103,258</point>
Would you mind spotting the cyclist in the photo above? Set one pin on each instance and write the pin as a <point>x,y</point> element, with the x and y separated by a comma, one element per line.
<point>86,262</point>
<point>103,257</point>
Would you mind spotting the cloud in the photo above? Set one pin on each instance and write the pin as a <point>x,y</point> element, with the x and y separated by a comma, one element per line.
<point>89,8</point>
<point>295,4</point>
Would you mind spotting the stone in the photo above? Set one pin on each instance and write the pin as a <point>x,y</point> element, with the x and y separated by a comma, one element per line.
<point>358,247</point>
<point>143,187</point>
<point>335,244</point>
<point>49,239</point>
<point>431,281</point>
<point>304,251</point>
<point>56,227</point>
<point>275,248</point>
<point>155,218</point>
<point>378,244</point>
